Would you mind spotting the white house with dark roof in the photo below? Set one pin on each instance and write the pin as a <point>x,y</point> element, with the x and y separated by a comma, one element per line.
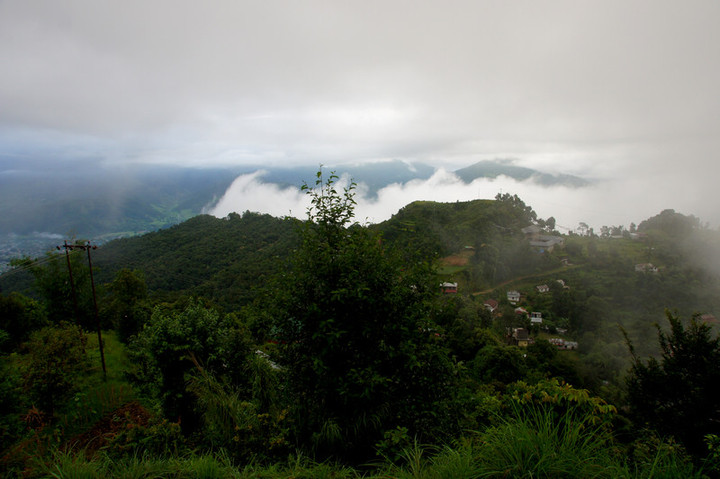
<point>513,296</point>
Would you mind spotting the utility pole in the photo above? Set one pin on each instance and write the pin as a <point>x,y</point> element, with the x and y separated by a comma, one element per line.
<point>87,247</point>
<point>72,283</point>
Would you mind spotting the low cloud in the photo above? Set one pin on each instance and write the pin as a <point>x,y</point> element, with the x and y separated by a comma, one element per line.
<point>610,203</point>
<point>248,193</point>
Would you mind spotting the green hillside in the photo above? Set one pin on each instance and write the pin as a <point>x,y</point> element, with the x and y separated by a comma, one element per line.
<point>332,344</point>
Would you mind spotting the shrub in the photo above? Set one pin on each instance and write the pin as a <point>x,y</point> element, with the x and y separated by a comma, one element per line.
<point>56,356</point>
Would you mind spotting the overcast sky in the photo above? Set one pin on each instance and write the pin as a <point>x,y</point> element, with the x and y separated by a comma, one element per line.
<point>623,92</point>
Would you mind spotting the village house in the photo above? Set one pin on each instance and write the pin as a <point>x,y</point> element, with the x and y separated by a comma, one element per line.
<point>491,305</point>
<point>532,231</point>
<point>646,268</point>
<point>449,288</point>
<point>536,317</point>
<point>547,243</point>
<point>543,288</point>
<point>543,243</point>
<point>513,296</point>
<point>562,344</point>
<point>520,337</point>
<point>521,311</point>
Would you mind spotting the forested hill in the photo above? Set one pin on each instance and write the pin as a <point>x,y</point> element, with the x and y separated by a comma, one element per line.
<point>252,333</point>
<point>479,244</point>
<point>226,259</point>
<point>445,228</point>
<point>223,260</point>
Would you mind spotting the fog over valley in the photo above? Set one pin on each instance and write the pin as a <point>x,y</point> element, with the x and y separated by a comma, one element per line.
<point>616,202</point>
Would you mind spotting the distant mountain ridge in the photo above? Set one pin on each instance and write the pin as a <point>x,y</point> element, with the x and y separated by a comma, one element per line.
<point>495,168</point>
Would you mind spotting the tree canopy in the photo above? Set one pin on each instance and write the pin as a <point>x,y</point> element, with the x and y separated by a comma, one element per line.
<point>679,393</point>
<point>356,332</point>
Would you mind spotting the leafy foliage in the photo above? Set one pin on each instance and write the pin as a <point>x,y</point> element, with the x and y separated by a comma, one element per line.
<point>127,306</point>
<point>679,394</point>
<point>356,334</point>
<point>19,316</point>
<point>55,286</point>
<point>240,423</point>
<point>224,260</point>
<point>174,344</point>
<point>56,356</point>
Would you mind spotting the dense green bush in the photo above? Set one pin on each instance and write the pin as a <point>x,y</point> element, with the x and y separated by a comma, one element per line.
<point>175,345</point>
<point>56,357</point>
<point>679,393</point>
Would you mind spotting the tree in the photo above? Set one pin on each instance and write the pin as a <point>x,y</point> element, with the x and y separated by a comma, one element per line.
<point>583,227</point>
<point>19,316</point>
<point>679,394</point>
<point>53,283</point>
<point>56,355</point>
<point>516,203</point>
<point>127,307</point>
<point>175,345</point>
<point>357,340</point>
<point>497,363</point>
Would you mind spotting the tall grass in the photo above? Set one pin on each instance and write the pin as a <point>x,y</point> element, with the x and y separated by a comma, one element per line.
<point>535,443</point>
<point>98,395</point>
<point>507,451</point>
<point>427,462</point>
<point>66,465</point>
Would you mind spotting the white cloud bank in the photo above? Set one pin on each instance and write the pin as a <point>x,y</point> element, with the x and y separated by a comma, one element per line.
<point>610,203</point>
<point>247,193</point>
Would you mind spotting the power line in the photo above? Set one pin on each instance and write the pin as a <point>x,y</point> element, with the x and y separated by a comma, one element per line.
<point>29,266</point>
<point>87,247</point>
<point>72,283</point>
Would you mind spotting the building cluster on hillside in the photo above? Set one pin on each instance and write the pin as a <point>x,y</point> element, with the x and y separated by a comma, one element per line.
<point>563,344</point>
<point>542,242</point>
<point>521,336</point>
<point>646,268</point>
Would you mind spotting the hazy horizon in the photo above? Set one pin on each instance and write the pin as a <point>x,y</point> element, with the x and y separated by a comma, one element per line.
<point>620,92</point>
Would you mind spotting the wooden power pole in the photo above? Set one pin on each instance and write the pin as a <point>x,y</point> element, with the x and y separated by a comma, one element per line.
<point>87,247</point>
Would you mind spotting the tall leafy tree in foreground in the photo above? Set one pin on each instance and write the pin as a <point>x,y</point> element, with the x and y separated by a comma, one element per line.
<point>679,393</point>
<point>361,352</point>
<point>127,306</point>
